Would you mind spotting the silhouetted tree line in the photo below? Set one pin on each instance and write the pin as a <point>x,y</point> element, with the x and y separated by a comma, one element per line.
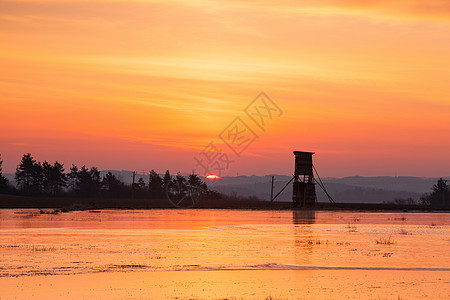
<point>440,195</point>
<point>4,184</point>
<point>45,179</point>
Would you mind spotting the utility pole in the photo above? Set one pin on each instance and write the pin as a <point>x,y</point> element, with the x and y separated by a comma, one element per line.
<point>271,191</point>
<point>132,185</point>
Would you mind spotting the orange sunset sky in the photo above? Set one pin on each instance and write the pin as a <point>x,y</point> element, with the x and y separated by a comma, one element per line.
<point>141,85</point>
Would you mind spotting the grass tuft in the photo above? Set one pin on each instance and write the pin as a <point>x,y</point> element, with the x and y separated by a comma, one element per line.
<point>385,241</point>
<point>351,228</point>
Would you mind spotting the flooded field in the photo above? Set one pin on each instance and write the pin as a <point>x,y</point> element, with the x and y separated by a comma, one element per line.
<point>221,254</point>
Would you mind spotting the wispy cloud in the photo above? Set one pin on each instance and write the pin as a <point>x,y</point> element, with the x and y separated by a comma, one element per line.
<point>348,74</point>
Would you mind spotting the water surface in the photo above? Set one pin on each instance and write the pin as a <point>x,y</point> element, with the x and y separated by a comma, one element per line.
<point>111,241</point>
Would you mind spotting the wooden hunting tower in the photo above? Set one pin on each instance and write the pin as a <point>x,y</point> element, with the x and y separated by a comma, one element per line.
<point>304,190</point>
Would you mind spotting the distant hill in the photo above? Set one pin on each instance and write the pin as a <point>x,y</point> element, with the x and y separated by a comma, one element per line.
<point>401,183</point>
<point>353,189</point>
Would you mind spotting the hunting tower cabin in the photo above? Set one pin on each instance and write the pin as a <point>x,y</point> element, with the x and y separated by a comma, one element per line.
<point>304,190</point>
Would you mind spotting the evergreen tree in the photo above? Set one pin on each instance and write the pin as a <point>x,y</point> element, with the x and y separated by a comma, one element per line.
<point>89,182</point>
<point>141,190</point>
<point>29,175</point>
<point>178,185</point>
<point>73,179</point>
<point>441,193</point>
<point>96,179</point>
<point>179,180</point>
<point>195,181</point>
<point>24,172</point>
<point>3,180</point>
<point>112,185</point>
<point>440,196</point>
<point>83,181</point>
<point>155,185</point>
<point>54,179</point>
<point>141,184</point>
<point>167,177</point>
